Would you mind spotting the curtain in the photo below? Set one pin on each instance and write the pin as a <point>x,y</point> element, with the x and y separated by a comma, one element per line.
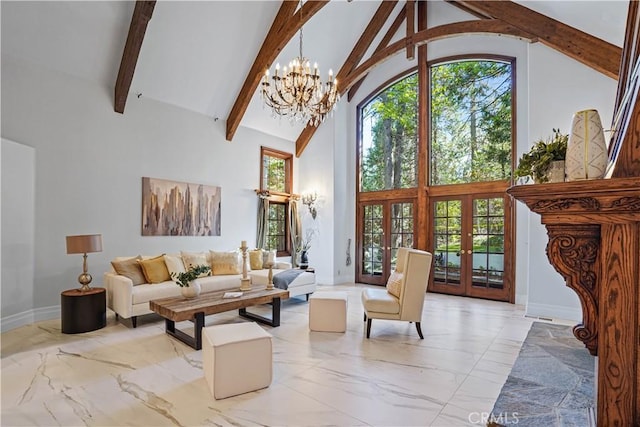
<point>263,222</point>
<point>295,231</point>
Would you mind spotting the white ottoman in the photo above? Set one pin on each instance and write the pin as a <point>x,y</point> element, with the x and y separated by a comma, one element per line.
<point>236,358</point>
<point>328,311</point>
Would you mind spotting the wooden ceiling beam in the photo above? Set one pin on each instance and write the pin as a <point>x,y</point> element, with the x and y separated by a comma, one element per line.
<point>591,51</point>
<point>283,28</point>
<point>411,22</point>
<point>142,13</point>
<point>393,29</point>
<point>357,53</point>
<point>492,26</point>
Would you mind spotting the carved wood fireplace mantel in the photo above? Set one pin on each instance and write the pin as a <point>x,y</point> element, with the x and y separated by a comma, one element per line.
<point>594,243</point>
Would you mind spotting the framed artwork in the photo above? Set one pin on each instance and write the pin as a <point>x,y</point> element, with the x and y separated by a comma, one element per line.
<point>171,208</point>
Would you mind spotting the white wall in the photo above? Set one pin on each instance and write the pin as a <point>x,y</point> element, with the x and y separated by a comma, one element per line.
<point>558,87</point>
<point>18,231</point>
<point>90,162</point>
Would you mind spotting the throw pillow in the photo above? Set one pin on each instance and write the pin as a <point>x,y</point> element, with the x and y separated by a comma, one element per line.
<point>131,269</point>
<point>155,269</point>
<point>268,257</point>
<point>174,264</point>
<point>255,259</point>
<point>226,263</point>
<point>394,284</point>
<point>193,259</point>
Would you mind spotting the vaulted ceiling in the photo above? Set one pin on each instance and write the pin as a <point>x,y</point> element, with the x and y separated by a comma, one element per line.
<point>208,56</point>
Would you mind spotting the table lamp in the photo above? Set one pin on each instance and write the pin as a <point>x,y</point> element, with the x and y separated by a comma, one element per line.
<point>83,245</point>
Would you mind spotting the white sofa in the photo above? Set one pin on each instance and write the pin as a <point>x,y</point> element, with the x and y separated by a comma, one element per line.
<point>129,301</point>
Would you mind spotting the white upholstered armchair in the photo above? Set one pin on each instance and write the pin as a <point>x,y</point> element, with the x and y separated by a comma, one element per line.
<point>403,298</point>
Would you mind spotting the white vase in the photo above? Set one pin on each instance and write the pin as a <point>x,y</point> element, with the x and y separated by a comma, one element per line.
<point>587,155</point>
<point>191,291</point>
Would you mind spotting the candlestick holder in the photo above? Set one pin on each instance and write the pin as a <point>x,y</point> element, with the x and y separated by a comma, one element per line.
<point>245,281</point>
<point>270,277</point>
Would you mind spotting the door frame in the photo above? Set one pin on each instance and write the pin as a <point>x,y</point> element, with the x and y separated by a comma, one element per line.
<point>386,259</point>
<point>468,192</point>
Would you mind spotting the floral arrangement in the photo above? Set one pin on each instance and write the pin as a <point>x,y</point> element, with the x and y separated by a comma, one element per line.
<point>183,279</point>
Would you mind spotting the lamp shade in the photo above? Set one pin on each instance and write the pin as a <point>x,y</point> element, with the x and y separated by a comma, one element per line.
<point>84,244</point>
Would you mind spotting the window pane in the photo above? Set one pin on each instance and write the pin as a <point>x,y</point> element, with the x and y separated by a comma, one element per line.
<point>389,143</point>
<point>276,229</point>
<point>470,122</point>
<point>274,174</point>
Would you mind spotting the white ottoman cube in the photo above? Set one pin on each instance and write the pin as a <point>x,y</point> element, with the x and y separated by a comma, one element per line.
<point>328,311</point>
<point>236,358</point>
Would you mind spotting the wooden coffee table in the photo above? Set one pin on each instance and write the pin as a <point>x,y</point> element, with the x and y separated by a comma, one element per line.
<point>177,309</point>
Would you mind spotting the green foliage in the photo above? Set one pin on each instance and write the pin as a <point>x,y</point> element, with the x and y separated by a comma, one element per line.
<point>470,122</point>
<point>537,161</point>
<point>183,279</point>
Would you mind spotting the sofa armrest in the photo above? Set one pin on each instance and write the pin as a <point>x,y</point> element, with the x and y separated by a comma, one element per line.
<point>119,294</point>
<point>282,265</point>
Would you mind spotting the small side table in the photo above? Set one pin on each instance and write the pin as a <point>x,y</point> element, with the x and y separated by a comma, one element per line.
<point>83,311</point>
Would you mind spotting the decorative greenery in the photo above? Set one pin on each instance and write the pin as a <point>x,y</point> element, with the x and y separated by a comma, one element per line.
<point>537,161</point>
<point>305,243</point>
<point>183,279</point>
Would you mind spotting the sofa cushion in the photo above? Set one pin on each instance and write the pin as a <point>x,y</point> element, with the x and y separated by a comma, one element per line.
<point>130,268</point>
<point>255,259</point>
<point>154,269</point>
<point>174,264</point>
<point>380,301</point>
<point>225,263</point>
<point>147,292</point>
<point>394,284</point>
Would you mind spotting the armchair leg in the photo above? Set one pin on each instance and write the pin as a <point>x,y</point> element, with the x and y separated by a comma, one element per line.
<point>365,317</point>
<point>134,321</point>
<point>419,330</point>
<point>368,327</point>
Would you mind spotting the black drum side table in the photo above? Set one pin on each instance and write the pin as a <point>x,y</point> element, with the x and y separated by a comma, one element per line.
<point>83,311</point>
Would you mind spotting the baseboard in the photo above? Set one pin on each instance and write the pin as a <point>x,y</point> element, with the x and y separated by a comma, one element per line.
<point>28,317</point>
<point>553,312</point>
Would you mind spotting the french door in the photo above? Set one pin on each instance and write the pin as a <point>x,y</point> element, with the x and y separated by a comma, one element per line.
<point>471,241</point>
<point>383,227</point>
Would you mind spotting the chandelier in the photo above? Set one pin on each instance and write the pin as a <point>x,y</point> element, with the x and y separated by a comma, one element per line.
<point>298,92</point>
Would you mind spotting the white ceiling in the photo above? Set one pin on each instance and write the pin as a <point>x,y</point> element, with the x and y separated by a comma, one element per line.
<point>196,54</point>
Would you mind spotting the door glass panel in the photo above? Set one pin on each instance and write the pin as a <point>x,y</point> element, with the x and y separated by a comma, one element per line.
<point>401,229</point>
<point>372,240</point>
<point>488,243</point>
<point>448,238</point>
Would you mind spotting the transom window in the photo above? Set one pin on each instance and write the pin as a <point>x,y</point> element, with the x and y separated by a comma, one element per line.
<point>275,174</point>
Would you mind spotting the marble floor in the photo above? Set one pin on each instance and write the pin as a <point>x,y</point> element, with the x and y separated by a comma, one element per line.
<point>142,377</point>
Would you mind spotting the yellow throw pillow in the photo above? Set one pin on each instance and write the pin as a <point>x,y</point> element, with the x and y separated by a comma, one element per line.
<point>255,259</point>
<point>131,269</point>
<point>155,269</point>
<point>226,263</point>
<point>394,284</point>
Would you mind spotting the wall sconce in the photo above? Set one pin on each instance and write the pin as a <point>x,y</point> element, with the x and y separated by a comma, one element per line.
<point>309,200</point>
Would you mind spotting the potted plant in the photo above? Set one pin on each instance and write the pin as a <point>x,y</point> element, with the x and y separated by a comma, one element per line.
<point>186,280</point>
<point>538,161</point>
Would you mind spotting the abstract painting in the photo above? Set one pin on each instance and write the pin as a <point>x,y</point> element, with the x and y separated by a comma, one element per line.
<point>171,208</point>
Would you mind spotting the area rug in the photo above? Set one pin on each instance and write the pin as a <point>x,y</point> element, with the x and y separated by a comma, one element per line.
<point>551,382</point>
